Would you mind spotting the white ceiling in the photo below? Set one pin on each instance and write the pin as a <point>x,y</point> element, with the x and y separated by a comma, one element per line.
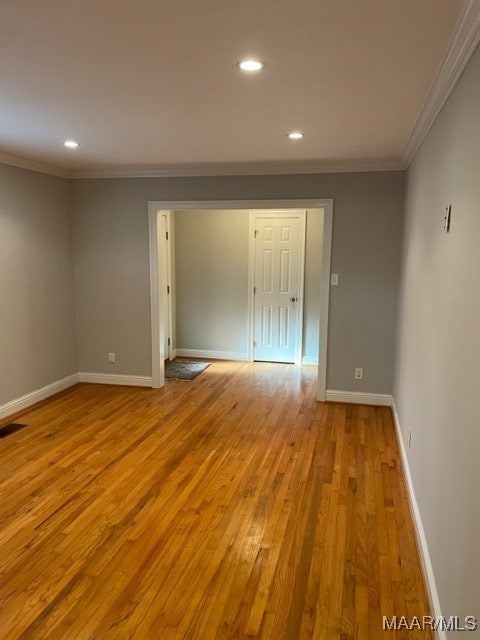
<point>155,84</point>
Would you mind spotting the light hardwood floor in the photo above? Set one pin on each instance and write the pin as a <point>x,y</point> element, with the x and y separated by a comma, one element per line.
<point>233,506</point>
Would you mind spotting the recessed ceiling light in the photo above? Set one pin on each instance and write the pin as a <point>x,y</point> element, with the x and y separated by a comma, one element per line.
<point>295,135</point>
<point>251,65</point>
<point>70,144</point>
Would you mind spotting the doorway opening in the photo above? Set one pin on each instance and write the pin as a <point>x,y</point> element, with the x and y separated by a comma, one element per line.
<point>283,315</point>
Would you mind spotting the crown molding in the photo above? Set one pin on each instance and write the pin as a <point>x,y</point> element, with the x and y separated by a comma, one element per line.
<point>239,169</point>
<point>211,169</point>
<point>464,40</point>
<point>31,165</point>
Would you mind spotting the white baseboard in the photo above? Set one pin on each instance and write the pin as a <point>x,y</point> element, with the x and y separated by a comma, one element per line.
<point>356,397</point>
<point>174,354</point>
<point>112,378</point>
<point>311,360</point>
<point>214,355</point>
<point>420,531</point>
<point>36,396</point>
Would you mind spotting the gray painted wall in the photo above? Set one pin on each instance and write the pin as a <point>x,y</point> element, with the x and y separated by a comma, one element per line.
<point>37,314</point>
<point>112,265</point>
<point>438,359</point>
<point>311,292</point>
<point>212,275</point>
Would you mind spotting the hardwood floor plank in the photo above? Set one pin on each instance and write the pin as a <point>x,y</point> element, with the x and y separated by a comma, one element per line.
<point>231,507</point>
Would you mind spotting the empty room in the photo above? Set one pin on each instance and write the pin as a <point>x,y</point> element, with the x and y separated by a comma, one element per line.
<point>239,320</point>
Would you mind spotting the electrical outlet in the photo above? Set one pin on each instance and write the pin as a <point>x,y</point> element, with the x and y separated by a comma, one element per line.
<point>334,279</point>
<point>358,373</point>
<point>111,358</point>
<point>409,438</point>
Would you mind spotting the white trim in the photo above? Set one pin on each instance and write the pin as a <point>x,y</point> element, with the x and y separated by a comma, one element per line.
<point>173,354</point>
<point>157,328</point>
<point>239,169</point>
<point>116,379</point>
<point>310,361</point>
<point>180,206</point>
<point>357,397</point>
<point>253,214</point>
<point>428,573</point>
<point>158,374</point>
<point>32,165</point>
<point>204,170</point>
<point>214,355</point>
<point>166,299</point>
<point>465,38</point>
<point>14,406</point>
<point>250,285</point>
<point>324,299</point>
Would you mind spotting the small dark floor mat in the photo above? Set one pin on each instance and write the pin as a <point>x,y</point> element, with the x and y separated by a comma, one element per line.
<point>184,369</point>
<point>8,429</point>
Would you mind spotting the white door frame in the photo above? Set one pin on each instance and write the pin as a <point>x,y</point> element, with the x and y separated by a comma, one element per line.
<point>253,214</point>
<point>167,293</point>
<point>158,371</point>
<point>157,287</point>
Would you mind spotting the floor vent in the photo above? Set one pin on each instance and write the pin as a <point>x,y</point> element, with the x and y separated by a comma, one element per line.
<point>8,429</point>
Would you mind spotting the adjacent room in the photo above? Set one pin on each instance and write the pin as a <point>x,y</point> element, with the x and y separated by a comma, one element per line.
<point>212,258</point>
<point>287,192</point>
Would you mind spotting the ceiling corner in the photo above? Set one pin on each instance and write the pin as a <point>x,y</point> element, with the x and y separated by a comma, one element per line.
<point>464,40</point>
<point>32,165</point>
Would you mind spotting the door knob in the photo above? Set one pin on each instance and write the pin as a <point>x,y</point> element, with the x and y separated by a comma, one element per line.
<point>293,299</point>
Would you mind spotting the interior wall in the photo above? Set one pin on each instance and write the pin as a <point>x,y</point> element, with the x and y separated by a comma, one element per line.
<point>438,357</point>
<point>212,276</point>
<point>37,304</point>
<point>311,291</point>
<point>112,265</point>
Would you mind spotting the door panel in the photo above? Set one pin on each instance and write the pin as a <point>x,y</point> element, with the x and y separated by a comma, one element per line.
<point>277,282</point>
<point>266,327</point>
<point>267,271</point>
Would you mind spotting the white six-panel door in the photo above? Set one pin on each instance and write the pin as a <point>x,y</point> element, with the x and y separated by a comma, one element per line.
<point>278,286</point>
